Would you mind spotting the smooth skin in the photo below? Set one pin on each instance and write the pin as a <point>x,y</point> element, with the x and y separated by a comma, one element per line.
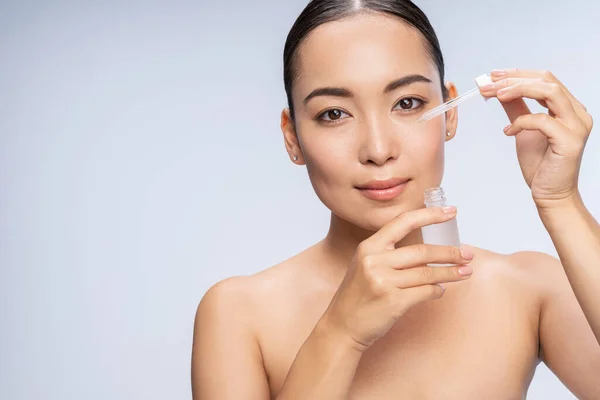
<point>359,315</point>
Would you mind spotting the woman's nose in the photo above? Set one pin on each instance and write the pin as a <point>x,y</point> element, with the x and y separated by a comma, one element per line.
<point>379,143</point>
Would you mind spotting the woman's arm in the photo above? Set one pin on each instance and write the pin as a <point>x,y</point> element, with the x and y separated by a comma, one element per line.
<point>226,358</point>
<point>324,367</point>
<point>570,318</point>
<point>549,149</point>
<point>576,236</point>
<point>567,344</point>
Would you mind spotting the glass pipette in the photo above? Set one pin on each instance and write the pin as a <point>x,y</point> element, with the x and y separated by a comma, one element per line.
<point>434,112</point>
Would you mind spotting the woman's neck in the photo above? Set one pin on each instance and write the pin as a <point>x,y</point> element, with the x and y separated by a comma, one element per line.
<point>343,238</point>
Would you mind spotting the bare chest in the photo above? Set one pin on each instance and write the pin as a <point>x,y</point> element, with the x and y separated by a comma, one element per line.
<point>454,348</point>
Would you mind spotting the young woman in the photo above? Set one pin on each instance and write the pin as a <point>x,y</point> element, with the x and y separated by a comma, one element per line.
<point>354,316</point>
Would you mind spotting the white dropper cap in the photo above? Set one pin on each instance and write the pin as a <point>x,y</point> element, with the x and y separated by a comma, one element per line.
<point>481,80</point>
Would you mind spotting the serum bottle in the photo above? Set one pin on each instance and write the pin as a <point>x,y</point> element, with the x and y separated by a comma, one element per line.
<point>446,233</point>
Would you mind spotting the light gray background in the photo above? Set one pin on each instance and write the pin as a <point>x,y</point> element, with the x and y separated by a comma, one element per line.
<point>141,162</point>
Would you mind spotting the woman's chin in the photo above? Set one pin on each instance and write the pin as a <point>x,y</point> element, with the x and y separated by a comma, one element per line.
<point>374,219</point>
<point>377,219</point>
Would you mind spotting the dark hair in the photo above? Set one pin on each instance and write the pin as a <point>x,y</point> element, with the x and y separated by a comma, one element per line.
<point>319,12</point>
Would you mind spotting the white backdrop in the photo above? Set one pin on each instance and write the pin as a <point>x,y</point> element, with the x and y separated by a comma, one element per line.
<point>141,161</point>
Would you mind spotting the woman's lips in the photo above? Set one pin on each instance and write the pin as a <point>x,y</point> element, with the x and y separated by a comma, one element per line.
<point>383,190</point>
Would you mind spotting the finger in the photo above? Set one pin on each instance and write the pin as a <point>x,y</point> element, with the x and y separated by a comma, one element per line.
<point>492,89</point>
<point>408,298</point>
<point>395,230</point>
<point>430,275</point>
<point>550,93</point>
<point>544,75</point>
<point>513,109</point>
<point>422,254</point>
<point>550,127</point>
<point>518,107</point>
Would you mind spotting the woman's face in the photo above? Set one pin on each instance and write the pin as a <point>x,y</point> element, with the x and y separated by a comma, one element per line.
<point>362,83</point>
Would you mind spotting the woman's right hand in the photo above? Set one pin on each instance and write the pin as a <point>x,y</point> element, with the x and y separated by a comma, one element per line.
<point>383,282</point>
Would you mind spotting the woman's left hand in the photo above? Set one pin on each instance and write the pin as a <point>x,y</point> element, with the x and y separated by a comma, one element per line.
<point>549,146</point>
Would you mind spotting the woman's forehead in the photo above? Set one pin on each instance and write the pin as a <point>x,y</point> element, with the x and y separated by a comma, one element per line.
<point>364,47</point>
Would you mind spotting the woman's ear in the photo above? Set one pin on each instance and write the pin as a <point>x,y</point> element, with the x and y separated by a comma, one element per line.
<point>451,115</point>
<point>292,145</point>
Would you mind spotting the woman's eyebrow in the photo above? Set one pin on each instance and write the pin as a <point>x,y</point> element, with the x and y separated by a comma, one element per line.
<point>405,81</point>
<point>342,92</point>
<point>328,91</point>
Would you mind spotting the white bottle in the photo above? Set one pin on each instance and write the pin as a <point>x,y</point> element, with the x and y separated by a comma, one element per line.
<point>446,233</point>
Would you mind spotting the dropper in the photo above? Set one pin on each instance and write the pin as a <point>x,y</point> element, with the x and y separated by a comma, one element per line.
<point>434,112</point>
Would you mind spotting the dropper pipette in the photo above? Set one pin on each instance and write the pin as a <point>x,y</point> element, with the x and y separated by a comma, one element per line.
<point>434,112</point>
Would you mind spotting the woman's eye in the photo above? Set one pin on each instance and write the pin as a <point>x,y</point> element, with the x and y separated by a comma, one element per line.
<point>332,115</point>
<point>409,103</point>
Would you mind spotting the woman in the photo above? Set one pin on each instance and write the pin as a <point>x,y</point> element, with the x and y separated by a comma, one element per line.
<point>360,315</point>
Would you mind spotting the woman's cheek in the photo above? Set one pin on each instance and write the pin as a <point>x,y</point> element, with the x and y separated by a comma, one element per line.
<point>330,166</point>
<point>427,155</point>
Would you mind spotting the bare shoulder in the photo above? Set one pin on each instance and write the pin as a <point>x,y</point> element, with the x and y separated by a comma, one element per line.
<point>245,296</point>
<point>231,294</point>
<point>533,273</point>
<point>225,315</point>
<point>289,281</point>
<point>238,296</point>
<point>541,270</point>
<point>229,323</point>
<point>518,260</point>
<point>237,301</point>
<point>535,260</point>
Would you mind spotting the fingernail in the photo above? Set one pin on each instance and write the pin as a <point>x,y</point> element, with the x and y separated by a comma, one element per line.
<point>502,91</point>
<point>464,271</point>
<point>487,87</point>
<point>507,128</point>
<point>498,72</point>
<point>449,210</point>
<point>466,254</point>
